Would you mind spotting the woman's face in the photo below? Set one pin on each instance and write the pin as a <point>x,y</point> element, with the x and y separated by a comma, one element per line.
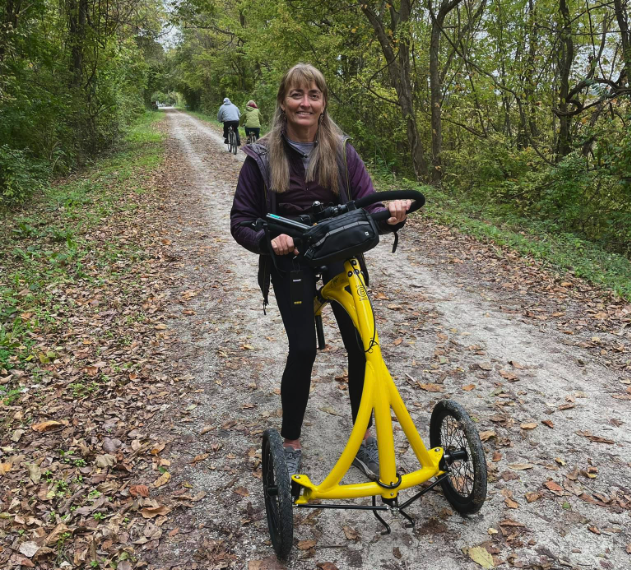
<point>303,106</point>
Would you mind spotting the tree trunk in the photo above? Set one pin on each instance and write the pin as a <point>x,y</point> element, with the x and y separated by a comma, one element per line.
<point>399,74</point>
<point>435,98</point>
<point>529,79</point>
<point>436,91</point>
<point>565,59</point>
<point>625,33</point>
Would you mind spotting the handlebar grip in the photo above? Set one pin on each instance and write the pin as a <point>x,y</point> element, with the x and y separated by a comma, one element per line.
<point>415,195</point>
<point>418,200</point>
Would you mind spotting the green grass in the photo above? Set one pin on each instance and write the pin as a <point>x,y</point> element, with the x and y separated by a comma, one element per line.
<point>46,244</point>
<point>563,252</point>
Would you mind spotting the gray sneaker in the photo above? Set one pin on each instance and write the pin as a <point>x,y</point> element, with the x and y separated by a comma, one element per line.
<point>367,459</point>
<point>293,459</point>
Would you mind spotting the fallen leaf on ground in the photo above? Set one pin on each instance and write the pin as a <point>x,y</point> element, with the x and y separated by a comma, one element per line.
<point>327,566</point>
<point>306,544</point>
<point>52,538</point>
<point>528,426</point>
<point>520,466</point>
<point>34,472</point>
<point>105,460</point>
<point>162,480</point>
<point>554,487</point>
<point>510,376</point>
<point>548,423</point>
<point>151,512</point>
<point>199,458</point>
<point>45,426</point>
<point>5,468</point>
<point>430,387</point>
<point>486,435</point>
<point>28,549</point>
<point>532,497</point>
<point>351,533</point>
<point>468,387</point>
<point>242,491</point>
<point>139,490</point>
<point>481,556</point>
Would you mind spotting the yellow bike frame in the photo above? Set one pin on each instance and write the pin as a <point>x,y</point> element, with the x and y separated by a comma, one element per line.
<point>379,395</point>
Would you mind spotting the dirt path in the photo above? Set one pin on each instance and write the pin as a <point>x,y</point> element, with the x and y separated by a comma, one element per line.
<point>559,494</point>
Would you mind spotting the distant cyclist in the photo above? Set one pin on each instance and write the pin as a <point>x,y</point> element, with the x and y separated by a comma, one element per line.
<point>251,119</point>
<point>229,115</point>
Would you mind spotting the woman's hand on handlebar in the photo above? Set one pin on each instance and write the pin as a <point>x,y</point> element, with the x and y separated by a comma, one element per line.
<point>398,211</point>
<point>283,245</point>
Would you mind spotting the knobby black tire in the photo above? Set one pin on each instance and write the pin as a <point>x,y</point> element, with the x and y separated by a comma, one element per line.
<point>277,490</point>
<point>451,428</point>
<point>229,140</point>
<point>234,142</point>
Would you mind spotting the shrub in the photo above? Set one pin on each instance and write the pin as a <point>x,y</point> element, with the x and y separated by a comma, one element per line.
<point>20,175</point>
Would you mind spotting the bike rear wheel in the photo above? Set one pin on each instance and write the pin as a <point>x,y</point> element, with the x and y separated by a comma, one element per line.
<point>230,140</point>
<point>278,501</point>
<point>234,142</point>
<point>451,428</point>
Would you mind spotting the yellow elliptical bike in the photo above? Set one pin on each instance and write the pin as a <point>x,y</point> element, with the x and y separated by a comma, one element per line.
<point>455,458</point>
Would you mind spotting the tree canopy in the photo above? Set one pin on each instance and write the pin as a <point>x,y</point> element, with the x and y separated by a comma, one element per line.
<point>524,104</point>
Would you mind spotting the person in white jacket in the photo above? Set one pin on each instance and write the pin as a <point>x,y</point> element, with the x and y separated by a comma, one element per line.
<point>229,115</point>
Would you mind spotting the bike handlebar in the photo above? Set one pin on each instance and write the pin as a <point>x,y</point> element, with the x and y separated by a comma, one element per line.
<point>296,229</point>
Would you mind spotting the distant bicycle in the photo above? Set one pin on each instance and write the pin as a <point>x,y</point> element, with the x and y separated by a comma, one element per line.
<point>251,137</point>
<point>232,140</point>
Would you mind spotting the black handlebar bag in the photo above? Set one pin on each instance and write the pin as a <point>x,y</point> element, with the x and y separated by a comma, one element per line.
<point>339,238</point>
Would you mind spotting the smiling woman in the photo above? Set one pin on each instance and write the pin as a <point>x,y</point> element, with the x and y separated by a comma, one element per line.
<point>303,107</point>
<point>303,159</point>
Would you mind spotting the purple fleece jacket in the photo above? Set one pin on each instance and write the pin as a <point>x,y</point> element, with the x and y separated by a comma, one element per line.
<point>253,198</point>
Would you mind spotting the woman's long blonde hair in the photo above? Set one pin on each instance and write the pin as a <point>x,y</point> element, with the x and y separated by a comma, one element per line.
<point>323,165</point>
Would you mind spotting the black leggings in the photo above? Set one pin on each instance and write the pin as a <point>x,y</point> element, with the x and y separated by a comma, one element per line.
<point>300,329</point>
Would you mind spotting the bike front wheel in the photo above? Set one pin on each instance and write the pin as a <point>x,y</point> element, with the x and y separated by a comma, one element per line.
<point>277,490</point>
<point>451,428</point>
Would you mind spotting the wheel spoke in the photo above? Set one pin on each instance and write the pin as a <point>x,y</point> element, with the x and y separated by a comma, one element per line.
<point>453,437</point>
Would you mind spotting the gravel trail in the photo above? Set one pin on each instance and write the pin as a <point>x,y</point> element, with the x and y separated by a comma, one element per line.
<point>559,494</point>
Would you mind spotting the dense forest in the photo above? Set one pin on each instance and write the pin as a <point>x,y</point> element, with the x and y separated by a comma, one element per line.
<point>520,105</point>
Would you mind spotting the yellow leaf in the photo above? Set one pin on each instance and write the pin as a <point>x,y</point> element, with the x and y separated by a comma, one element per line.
<point>162,480</point>
<point>481,556</point>
<point>5,468</point>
